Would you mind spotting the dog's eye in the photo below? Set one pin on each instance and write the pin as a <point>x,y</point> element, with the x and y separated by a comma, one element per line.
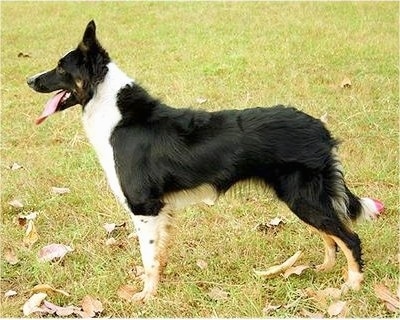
<point>60,70</point>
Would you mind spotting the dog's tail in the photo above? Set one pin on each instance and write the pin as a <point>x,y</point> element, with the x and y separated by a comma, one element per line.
<point>346,204</point>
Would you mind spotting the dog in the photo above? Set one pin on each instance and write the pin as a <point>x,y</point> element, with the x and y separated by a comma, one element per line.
<point>159,159</point>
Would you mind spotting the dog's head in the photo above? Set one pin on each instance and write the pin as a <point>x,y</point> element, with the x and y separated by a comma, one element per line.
<point>75,77</point>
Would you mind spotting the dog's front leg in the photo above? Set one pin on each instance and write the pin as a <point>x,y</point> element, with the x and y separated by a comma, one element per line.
<point>153,233</point>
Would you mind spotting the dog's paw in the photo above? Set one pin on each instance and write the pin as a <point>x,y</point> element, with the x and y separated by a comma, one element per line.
<point>143,296</point>
<point>353,282</point>
<point>325,267</point>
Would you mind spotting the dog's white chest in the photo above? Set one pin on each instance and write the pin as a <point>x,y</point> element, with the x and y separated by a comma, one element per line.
<point>100,117</point>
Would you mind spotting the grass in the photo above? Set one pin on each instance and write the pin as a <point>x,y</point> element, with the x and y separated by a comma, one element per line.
<point>235,55</point>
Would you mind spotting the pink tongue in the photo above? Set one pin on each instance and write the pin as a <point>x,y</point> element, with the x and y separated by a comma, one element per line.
<point>51,107</point>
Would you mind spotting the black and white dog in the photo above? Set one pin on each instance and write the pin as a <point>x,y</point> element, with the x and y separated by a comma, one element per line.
<point>158,159</point>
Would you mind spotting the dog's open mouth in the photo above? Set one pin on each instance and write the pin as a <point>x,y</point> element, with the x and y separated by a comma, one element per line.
<point>56,103</point>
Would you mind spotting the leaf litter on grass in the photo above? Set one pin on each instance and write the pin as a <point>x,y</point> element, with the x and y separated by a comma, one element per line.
<point>54,251</point>
<point>36,304</point>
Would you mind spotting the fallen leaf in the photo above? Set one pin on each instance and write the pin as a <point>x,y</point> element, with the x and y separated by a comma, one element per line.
<point>275,270</point>
<point>346,83</point>
<point>202,264</point>
<point>17,204</point>
<point>269,308</point>
<point>24,218</point>
<point>60,311</point>
<point>217,294</point>
<point>31,235</point>
<point>10,256</point>
<point>201,100</point>
<point>275,222</point>
<point>126,292</point>
<point>333,293</point>
<point>308,314</point>
<point>30,216</point>
<point>338,308</point>
<point>111,241</point>
<point>23,55</point>
<point>109,227</point>
<point>53,251</point>
<point>15,166</point>
<point>49,289</point>
<point>10,293</point>
<point>324,117</point>
<point>391,301</point>
<point>58,190</point>
<point>33,303</point>
<point>321,296</point>
<point>295,270</point>
<point>91,306</point>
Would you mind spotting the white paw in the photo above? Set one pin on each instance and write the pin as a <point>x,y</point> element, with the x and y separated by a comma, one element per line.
<point>143,296</point>
<point>354,280</point>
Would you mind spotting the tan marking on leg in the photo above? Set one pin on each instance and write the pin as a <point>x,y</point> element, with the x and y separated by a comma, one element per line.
<point>355,277</point>
<point>330,253</point>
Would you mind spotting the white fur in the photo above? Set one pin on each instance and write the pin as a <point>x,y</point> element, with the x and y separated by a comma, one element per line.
<point>369,209</point>
<point>100,117</point>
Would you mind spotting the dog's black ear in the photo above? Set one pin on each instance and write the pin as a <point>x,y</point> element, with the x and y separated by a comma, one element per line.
<point>89,36</point>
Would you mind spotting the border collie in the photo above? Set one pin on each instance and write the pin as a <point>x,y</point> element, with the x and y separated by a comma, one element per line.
<point>159,159</point>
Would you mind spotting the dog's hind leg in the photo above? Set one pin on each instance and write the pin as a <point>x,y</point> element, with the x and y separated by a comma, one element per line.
<point>153,233</point>
<point>330,252</point>
<point>334,229</point>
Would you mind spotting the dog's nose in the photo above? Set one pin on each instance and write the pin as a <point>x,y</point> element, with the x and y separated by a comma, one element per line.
<point>31,81</point>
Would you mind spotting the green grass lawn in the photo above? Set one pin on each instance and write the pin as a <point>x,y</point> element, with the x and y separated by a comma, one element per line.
<point>235,55</point>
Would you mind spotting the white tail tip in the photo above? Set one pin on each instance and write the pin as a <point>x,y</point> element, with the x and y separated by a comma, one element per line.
<point>372,208</point>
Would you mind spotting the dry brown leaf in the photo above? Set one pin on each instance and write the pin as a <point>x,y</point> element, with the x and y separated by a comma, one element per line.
<point>49,289</point>
<point>201,264</point>
<point>338,308</point>
<point>33,303</point>
<point>91,306</point>
<point>15,166</point>
<point>346,83</point>
<point>10,256</point>
<point>269,308</point>
<point>111,241</point>
<point>31,235</point>
<point>24,218</point>
<point>295,270</point>
<point>126,292</point>
<point>278,269</point>
<point>60,311</point>
<point>53,251</point>
<point>17,204</point>
<point>217,294</point>
<point>308,314</point>
<point>10,293</point>
<point>321,296</point>
<point>60,191</point>
<point>391,301</point>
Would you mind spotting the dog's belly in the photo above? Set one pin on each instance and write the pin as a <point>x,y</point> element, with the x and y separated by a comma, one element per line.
<point>205,193</point>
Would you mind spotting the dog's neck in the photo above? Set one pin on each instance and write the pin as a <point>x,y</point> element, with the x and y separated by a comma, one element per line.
<point>100,116</point>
